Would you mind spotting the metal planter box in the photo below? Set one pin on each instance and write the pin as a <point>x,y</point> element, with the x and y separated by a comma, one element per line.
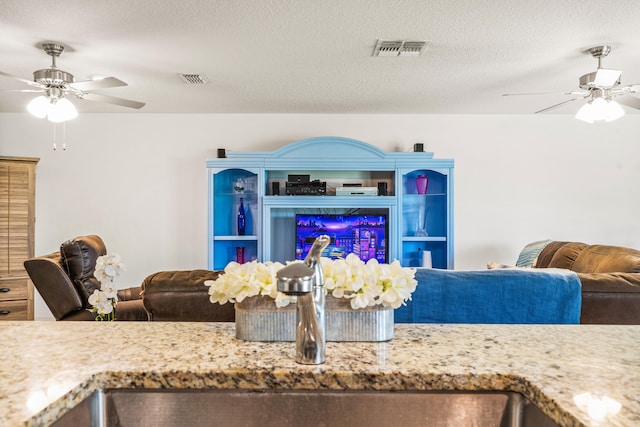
<point>258,319</point>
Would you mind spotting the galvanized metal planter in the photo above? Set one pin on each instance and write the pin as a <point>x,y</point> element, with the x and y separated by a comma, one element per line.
<point>258,319</point>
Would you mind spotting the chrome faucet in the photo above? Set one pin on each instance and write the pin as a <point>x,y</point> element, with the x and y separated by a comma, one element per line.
<point>306,281</point>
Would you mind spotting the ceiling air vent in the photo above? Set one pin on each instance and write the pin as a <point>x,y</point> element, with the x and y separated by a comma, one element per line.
<point>399,48</point>
<point>387,48</point>
<point>194,79</point>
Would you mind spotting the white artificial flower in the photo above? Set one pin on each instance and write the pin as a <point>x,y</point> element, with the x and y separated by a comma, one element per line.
<point>359,301</point>
<point>97,297</point>
<point>283,300</point>
<point>110,290</point>
<point>110,270</point>
<point>108,267</point>
<point>101,303</point>
<point>105,307</point>
<point>398,284</point>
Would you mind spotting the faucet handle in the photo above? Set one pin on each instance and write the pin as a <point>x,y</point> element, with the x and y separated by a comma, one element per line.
<point>295,279</point>
<point>314,254</point>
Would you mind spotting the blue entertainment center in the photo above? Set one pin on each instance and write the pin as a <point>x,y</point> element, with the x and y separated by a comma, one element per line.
<point>330,177</point>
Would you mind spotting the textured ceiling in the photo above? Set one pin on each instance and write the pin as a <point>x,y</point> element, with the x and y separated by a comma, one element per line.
<point>309,56</point>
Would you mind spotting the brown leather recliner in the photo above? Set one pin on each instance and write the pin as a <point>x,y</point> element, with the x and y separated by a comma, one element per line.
<point>65,281</point>
<point>610,277</point>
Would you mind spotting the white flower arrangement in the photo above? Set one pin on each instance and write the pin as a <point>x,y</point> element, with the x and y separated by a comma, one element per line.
<point>105,299</point>
<point>365,284</point>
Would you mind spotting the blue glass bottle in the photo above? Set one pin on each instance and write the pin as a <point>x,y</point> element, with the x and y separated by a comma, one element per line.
<point>241,218</point>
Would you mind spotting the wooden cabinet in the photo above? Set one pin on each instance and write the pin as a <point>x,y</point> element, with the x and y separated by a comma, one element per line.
<point>17,224</point>
<point>390,190</point>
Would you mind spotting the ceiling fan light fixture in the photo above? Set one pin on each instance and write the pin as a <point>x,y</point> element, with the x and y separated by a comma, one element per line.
<point>39,106</point>
<point>614,111</point>
<point>62,111</point>
<point>600,109</point>
<point>585,113</point>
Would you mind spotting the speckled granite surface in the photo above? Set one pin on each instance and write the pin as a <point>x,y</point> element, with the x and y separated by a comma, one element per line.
<point>50,366</point>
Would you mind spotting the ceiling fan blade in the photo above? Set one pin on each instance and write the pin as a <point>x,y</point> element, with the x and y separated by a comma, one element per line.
<point>580,93</point>
<point>634,88</point>
<point>607,78</point>
<point>112,100</point>
<point>557,105</point>
<point>107,82</point>
<point>27,90</point>
<point>629,101</point>
<point>29,82</point>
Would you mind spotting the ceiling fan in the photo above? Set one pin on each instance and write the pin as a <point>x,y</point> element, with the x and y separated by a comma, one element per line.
<point>57,86</point>
<point>600,88</point>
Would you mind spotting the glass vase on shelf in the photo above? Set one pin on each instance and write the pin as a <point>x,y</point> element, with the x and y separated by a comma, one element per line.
<point>421,184</point>
<point>241,218</point>
<point>421,226</point>
<point>240,254</point>
<point>239,185</point>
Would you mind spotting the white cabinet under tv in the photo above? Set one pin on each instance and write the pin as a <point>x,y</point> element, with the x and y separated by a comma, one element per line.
<point>367,200</point>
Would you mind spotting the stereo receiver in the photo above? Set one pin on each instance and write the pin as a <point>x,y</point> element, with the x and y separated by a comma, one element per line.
<point>311,188</point>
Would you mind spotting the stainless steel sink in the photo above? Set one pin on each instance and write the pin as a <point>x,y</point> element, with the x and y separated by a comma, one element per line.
<point>160,408</point>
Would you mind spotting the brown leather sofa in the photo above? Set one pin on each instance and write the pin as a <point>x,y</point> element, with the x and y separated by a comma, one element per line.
<point>65,281</point>
<point>610,277</point>
<point>183,296</point>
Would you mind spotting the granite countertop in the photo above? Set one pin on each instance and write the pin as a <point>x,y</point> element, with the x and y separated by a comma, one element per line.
<point>48,367</point>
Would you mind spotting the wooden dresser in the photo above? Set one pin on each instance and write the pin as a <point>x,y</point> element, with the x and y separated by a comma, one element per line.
<point>17,224</point>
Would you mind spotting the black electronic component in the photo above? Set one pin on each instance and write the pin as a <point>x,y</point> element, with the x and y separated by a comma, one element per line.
<point>312,188</point>
<point>382,189</point>
<point>298,178</point>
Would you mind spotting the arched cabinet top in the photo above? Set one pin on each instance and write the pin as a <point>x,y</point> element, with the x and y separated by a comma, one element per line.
<point>328,147</point>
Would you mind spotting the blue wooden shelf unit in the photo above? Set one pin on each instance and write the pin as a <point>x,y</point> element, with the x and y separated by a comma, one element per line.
<point>260,178</point>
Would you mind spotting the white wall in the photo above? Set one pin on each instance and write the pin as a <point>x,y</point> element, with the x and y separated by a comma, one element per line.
<point>140,182</point>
